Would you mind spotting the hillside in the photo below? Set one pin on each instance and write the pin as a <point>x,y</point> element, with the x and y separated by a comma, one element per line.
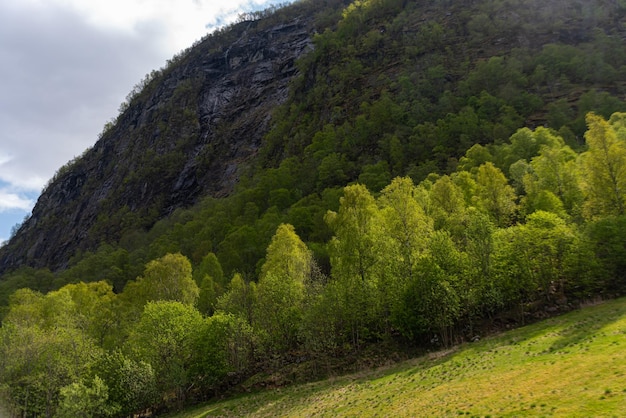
<point>570,366</point>
<point>319,181</point>
<point>391,88</point>
<point>182,136</point>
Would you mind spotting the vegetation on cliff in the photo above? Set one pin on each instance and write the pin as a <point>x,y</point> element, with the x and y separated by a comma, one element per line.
<point>436,169</point>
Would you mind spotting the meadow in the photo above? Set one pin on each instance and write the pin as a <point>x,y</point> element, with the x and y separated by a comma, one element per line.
<point>571,365</point>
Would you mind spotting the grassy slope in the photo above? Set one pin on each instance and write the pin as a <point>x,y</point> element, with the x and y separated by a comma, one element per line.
<point>573,365</point>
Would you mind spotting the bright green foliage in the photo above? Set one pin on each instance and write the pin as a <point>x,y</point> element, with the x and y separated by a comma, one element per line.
<point>131,384</point>
<point>553,175</point>
<point>604,168</point>
<point>42,349</point>
<point>465,181</point>
<point>448,208</point>
<point>354,252</point>
<point>168,278</point>
<point>79,400</point>
<point>545,200</point>
<point>474,157</point>
<point>524,145</point>
<point>164,337</point>
<point>430,304</point>
<point>36,363</point>
<point>495,195</point>
<point>541,260</point>
<point>240,299</point>
<point>280,292</point>
<point>404,218</point>
<point>287,257</point>
<point>404,237</point>
<point>443,251</point>
<point>25,308</point>
<point>55,309</point>
<point>355,255</point>
<point>94,304</point>
<point>222,345</point>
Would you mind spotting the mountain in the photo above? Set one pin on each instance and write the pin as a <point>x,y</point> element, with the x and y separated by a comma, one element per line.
<point>320,188</point>
<point>183,136</point>
<point>380,89</point>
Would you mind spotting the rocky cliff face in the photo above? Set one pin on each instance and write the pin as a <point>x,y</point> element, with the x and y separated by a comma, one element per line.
<point>183,137</point>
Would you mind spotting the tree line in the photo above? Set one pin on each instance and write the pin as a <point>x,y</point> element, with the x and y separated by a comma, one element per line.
<point>520,230</point>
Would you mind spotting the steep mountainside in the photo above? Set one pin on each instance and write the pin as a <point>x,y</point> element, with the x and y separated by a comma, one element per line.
<point>390,87</point>
<point>184,136</point>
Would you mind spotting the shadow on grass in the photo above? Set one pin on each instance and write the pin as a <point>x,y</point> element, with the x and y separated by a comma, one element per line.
<point>570,328</point>
<point>430,370</point>
<point>581,327</point>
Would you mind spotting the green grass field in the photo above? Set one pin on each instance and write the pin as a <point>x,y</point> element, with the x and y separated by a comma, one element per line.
<point>573,366</point>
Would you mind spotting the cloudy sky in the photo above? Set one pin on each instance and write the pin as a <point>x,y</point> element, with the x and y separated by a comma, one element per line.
<point>66,65</point>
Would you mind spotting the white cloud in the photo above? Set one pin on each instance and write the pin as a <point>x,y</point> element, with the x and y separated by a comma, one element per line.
<point>61,81</point>
<point>10,201</point>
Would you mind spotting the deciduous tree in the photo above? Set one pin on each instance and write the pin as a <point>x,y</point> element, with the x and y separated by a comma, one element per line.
<point>604,169</point>
<point>355,256</point>
<point>495,195</point>
<point>281,288</point>
<point>164,338</point>
<point>167,278</point>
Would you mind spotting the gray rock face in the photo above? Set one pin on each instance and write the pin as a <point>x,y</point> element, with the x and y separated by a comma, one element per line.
<point>184,137</point>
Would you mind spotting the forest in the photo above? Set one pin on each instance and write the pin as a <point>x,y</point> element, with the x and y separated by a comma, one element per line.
<point>435,175</point>
<point>426,264</point>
